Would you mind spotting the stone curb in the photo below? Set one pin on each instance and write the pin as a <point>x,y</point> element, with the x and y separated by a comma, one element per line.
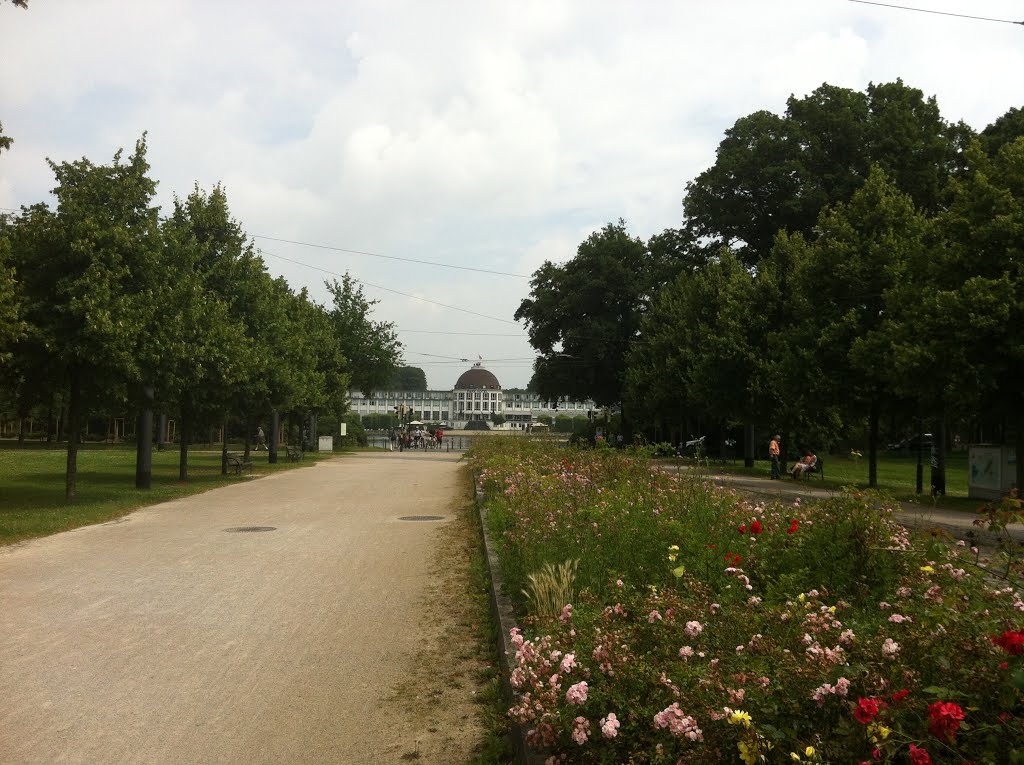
<point>503,615</point>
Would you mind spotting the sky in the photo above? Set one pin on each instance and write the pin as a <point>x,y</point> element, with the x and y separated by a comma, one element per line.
<point>478,134</point>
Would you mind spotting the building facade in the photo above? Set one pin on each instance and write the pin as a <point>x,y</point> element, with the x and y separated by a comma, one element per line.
<point>477,395</point>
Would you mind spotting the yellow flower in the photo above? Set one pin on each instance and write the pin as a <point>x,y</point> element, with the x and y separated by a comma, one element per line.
<point>795,756</point>
<point>673,548</point>
<point>928,569</point>
<point>740,717</point>
<point>831,609</point>
<point>809,751</point>
<point>878,733</point>
<point>749,754</point>
<point>672,558</point>
<point>801,597</point>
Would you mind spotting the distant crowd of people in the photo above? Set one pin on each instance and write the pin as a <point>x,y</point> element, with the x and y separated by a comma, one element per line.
<point>419,438</point>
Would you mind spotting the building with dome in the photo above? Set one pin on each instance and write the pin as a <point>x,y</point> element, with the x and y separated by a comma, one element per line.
<point>476,396</point>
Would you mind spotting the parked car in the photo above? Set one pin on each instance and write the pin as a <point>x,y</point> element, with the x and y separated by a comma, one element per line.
<point>911,444</point>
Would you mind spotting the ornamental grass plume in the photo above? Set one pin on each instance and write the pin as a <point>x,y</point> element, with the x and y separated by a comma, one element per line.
<point>551,588</point>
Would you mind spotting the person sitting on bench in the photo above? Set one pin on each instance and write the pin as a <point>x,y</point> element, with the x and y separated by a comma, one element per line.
<point>806,463</point>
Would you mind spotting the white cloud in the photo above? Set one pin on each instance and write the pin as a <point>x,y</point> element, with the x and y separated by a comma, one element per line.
<point>492,135</point>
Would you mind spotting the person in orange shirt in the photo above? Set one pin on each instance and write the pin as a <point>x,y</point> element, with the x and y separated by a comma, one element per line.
<point>774,454</point>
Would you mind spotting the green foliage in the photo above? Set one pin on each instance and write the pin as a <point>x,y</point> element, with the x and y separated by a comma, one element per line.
<point>380,421</point>
<point>582,315</point>
<point>371,348</point>
<point>408,379</point>
<point>355,433</point>
<point>5,141</point>
<point>777,173</point>
<point>11,325</point>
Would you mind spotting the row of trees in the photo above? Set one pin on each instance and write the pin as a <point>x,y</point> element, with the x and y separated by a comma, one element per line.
<point>106,305</point>
<point>855,261</point>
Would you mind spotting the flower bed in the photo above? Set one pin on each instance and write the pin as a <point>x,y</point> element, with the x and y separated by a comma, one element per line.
<point>706,628</point>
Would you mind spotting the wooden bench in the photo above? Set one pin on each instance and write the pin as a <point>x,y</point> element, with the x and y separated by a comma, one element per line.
<point>238,462</point>
<point>294,453</point>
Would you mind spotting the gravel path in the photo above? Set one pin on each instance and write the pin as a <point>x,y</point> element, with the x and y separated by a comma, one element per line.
<point>165,638</point>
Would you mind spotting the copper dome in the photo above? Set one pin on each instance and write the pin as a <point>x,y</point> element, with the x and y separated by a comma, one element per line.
<point>477,378</point>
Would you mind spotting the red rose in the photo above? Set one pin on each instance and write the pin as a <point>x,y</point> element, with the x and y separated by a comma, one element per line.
<point>755,527</point>
<point>944,719</point>
<point>794,524</point>
<point>900,695</point>
<point>919,756</point>
<point>866,710</point>
<point>742,529</point>
<point>1011,641</point>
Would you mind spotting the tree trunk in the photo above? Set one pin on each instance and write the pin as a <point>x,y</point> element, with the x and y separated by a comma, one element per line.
<point>74,413</point>
<point>186,426</point>
<point>144,450</point>
<point>873,419</point>
<point>224,448</point>
<point>1019,446</point>
<point>275,425</point>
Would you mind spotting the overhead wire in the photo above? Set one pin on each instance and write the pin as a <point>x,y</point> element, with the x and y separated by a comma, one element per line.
<point>386,289</point>
<point>389,257</point>
<point>937,13</point>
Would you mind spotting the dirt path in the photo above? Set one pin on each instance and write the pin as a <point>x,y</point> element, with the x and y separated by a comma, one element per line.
<point>165,638</point>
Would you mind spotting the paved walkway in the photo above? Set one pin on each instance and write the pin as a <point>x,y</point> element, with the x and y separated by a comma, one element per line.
<point>959,524</point>
<point>166,638</point>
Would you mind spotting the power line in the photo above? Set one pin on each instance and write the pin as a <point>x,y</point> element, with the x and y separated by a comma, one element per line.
<point>388,257</point>
<point>468,334</point>
<point>937,13</point>
<point>386,289</point>
<point>464,360</point>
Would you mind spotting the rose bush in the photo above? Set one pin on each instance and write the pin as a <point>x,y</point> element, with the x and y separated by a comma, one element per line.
<point>829,634</point>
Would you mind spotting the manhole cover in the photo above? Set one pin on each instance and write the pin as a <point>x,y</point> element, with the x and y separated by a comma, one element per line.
<point>421,518</point>
<point>251,528</point>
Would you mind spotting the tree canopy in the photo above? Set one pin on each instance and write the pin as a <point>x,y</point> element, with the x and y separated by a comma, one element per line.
<point>408,378</point>
<point>583,315</point>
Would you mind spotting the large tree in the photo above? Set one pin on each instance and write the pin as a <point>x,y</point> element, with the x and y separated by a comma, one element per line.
<point>864,251</point>
<point>88,272</point>
<point>699,348</point>
<point>208,350</point>
<point>960,343</point>
<point>583,316</point>
<point>777,173</point>
<point>371,347</point>
<point>408,378</point>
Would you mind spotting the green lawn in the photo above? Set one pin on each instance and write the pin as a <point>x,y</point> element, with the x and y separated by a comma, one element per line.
<point>32,484</point>
<point>896,475</point>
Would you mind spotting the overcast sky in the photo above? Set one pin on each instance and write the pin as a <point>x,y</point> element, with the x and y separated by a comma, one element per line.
<point>490,135</point>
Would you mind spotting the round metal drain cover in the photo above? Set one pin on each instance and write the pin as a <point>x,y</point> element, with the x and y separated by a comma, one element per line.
<point>251,528</point>
<point>421,518</point>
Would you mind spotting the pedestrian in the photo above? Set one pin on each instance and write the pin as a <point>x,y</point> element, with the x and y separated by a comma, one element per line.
<point>775,454</point>
<point>261,439</point>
